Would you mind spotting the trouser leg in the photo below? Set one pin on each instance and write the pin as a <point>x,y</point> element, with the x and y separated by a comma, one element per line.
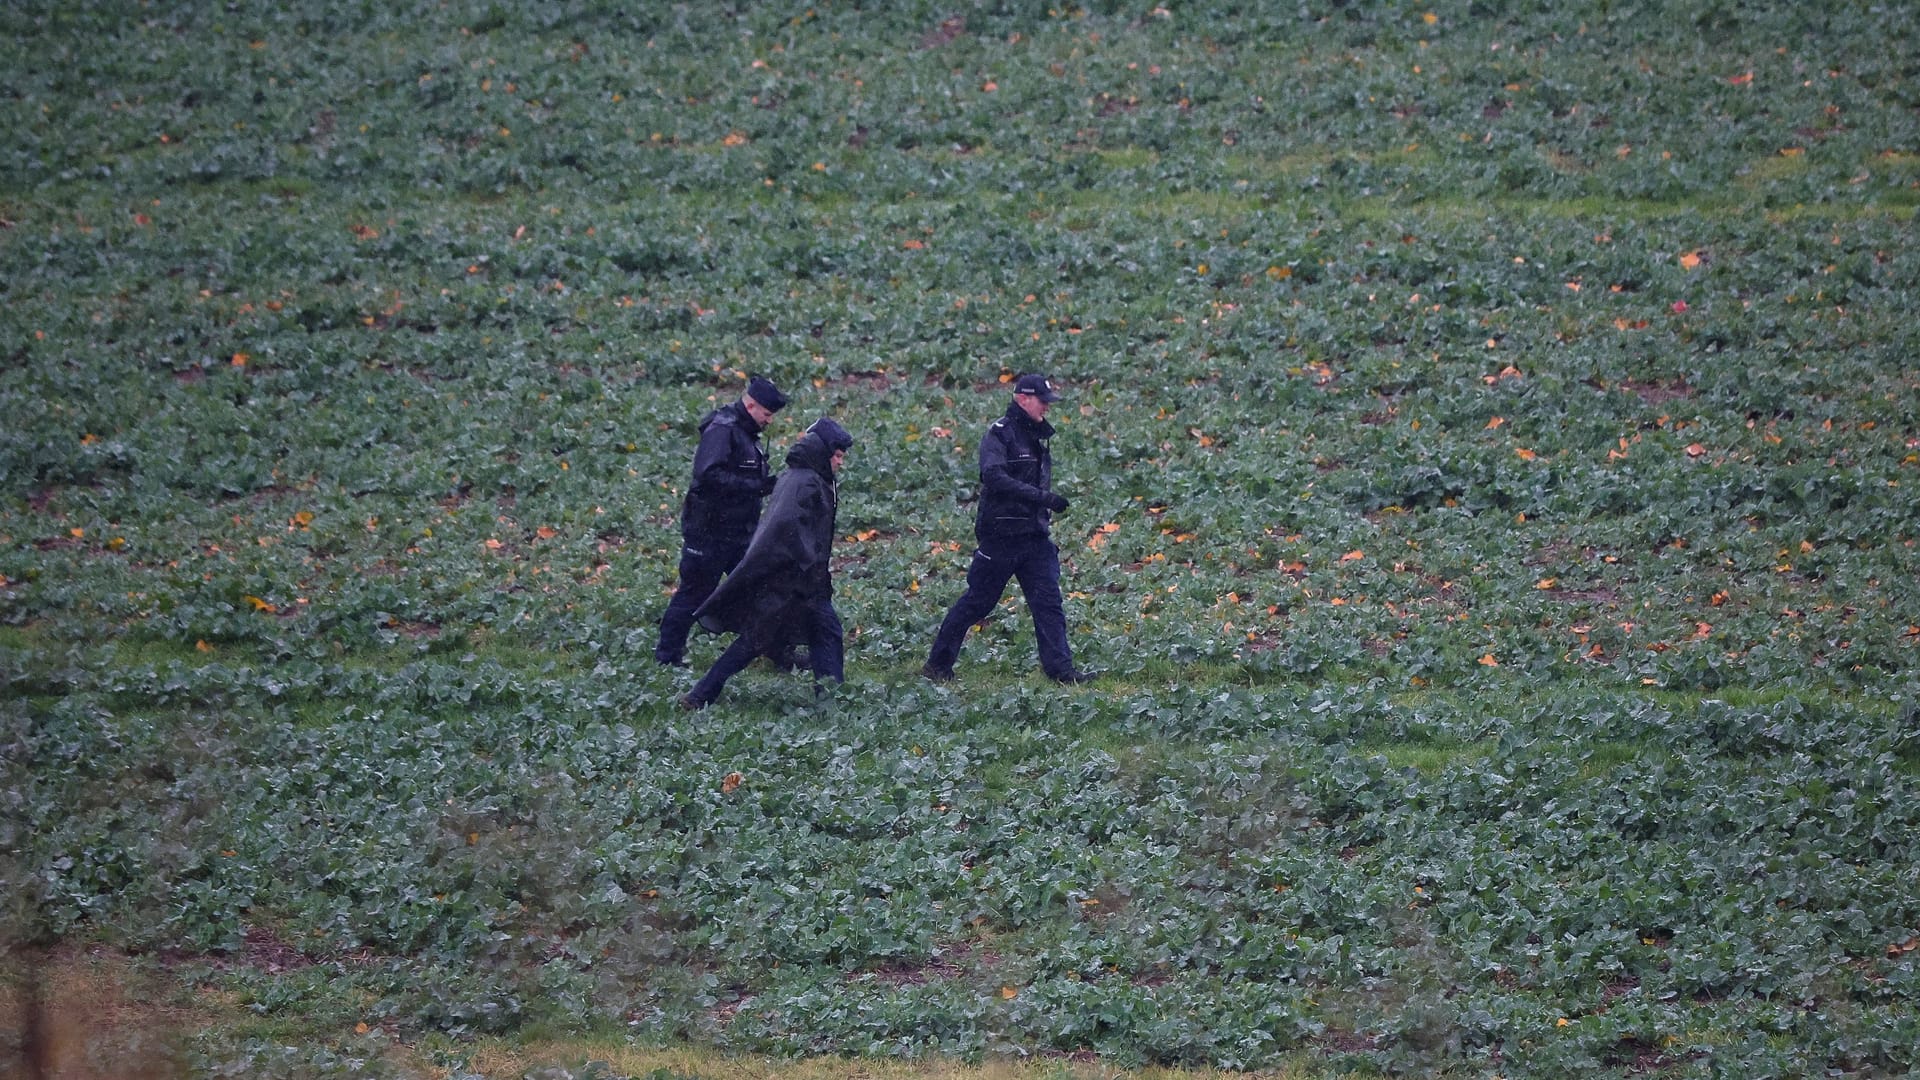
<point>826,643</point>
<point>987,579</point>
<point>702,565</point>
<point>1039,574</point>
<point>738,655</point>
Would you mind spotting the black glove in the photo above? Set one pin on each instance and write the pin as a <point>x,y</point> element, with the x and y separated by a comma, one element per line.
<point>1057,502</point>
<point>766,486</point>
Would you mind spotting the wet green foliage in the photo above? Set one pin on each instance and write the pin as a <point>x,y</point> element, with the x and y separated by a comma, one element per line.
<point>1492,435</point>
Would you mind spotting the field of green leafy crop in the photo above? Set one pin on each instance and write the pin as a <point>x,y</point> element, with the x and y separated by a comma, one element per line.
<point>1493,430</point>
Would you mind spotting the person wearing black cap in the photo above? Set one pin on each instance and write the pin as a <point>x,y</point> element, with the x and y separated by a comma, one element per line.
<point>721,508</point>
<point>1013,523</point>
<point>781,593</point>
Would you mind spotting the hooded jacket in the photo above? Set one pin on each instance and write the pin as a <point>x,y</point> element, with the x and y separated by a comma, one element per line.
<point>785,568</point>
<point>1016,476</point>
<point>729,478</point>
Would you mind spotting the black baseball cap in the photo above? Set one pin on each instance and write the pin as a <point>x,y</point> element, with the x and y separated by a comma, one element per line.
<point>761,389</point>
<point>1037,385</point>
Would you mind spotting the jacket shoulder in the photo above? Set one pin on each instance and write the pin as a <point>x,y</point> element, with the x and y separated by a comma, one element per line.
<point>1012,435</point>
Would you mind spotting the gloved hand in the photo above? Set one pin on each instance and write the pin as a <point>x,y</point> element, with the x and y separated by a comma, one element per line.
<point>1057,502</point>
<point>766,487</point>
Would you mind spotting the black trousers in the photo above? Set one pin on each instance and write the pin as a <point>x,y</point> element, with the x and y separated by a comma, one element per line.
<point>826,653</point>
<point>1035,563</point>
<point>702,564</point>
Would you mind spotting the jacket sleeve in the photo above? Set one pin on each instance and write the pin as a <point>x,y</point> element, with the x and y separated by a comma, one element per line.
<point>994,475</point>
<point>716,473</point>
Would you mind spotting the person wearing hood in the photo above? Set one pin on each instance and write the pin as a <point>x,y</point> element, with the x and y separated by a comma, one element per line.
<point>781,593</point>
<point>1013,523</point>
<point>721,508</point>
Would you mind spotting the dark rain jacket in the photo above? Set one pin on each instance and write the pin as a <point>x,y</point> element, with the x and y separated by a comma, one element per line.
<point>784,571</point>
<point>1016,476</point>
<point>729,478</point>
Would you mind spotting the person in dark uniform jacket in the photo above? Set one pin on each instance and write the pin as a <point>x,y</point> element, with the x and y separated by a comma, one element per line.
<point>781,593</point>
<point>1013,524</point>
<point>721,508</point>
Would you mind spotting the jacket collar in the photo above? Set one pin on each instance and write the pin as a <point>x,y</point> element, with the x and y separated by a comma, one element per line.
<point>733,413</point>
<point>745,419</point>
<point>1017,415</point>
